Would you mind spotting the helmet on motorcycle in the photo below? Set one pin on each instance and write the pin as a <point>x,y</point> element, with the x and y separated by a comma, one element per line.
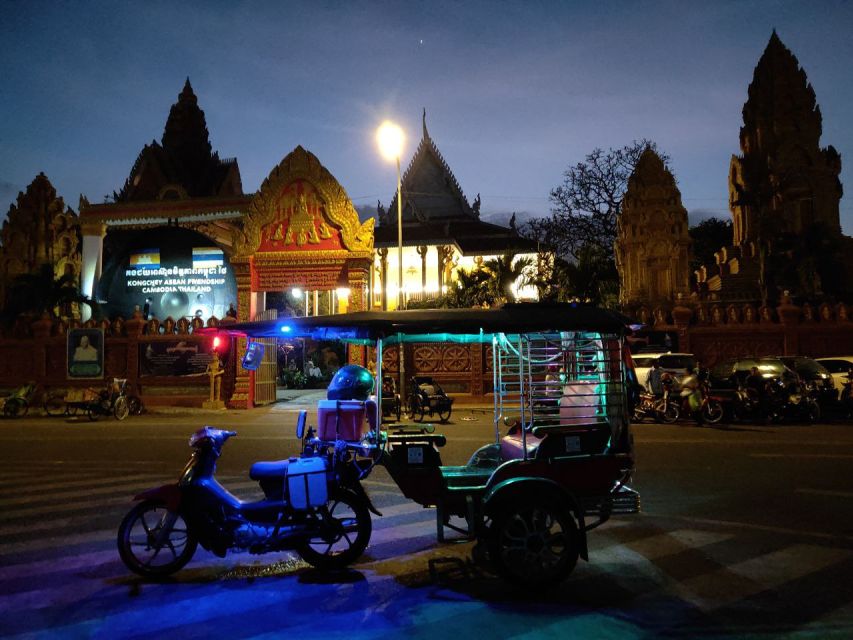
<point>351,382</point>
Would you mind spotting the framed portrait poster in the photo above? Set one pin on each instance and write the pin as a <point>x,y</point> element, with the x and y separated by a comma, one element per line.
<point>85,351</point>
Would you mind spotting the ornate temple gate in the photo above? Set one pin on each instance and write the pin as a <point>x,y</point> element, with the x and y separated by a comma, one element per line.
<point>301,230</point>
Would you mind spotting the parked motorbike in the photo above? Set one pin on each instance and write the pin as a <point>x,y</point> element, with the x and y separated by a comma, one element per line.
<point>792,402</point>
<point>314,504</point>
<point>657,408</point>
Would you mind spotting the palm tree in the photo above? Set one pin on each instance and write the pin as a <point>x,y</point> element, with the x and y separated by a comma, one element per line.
<point>42,292</point>
<point>504,272</point>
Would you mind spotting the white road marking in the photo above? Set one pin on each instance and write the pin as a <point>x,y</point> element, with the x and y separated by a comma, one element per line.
<point>717,589</point>
<point>815,456</point>
<point>826,492</point>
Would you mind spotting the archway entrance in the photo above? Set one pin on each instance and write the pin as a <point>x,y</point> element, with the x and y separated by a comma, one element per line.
<point>301,231</point>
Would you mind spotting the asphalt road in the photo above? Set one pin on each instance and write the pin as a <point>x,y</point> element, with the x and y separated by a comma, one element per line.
<point>746,532</point>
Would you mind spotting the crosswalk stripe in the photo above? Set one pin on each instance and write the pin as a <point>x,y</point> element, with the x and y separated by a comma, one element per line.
<point>55,508</point>
<point>58,495</point>
<point>672,542</point>
<point>32,487</point>
<point>717,589</point>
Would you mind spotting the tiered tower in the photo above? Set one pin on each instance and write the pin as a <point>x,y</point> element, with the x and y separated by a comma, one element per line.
<point>652,243</point>
<point>783,180</point>
<point>39,230</point>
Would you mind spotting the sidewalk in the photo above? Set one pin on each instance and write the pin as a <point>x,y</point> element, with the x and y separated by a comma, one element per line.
<point>293,399</point>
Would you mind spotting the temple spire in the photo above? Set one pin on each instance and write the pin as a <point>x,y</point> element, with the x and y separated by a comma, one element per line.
<point>426,133</point>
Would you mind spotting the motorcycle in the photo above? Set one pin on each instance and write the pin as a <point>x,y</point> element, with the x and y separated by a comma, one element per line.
<point>658,408</point>
<point>314,504</point>
<point>792,402</point>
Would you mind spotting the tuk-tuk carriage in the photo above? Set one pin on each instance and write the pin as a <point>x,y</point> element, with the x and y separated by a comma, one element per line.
<point>392,406</point>
<point>562,456</point>
<point>427,397</point>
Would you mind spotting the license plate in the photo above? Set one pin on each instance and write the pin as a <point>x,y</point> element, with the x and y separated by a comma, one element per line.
<point>416,455</point>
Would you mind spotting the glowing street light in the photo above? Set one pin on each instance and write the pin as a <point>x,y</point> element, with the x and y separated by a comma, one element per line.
<point>390,138</point>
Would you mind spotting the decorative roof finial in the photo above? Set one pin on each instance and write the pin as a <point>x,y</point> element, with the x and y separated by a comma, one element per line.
<point>426,133</point>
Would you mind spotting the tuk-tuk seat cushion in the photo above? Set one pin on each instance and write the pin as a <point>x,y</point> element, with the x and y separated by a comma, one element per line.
<point>511,445</point>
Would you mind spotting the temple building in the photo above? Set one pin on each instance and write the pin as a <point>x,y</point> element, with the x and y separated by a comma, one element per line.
<point>652,244</point>
<point>442,233</point>
<point>783,186</point>
<point>39,230</point>
<point>182,241</point>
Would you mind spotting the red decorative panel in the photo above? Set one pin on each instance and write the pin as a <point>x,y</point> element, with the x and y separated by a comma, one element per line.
<point>300,222</point>
<point>427,358</point>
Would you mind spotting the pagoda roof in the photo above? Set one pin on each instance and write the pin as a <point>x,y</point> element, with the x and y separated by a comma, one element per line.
<point>430,190</point>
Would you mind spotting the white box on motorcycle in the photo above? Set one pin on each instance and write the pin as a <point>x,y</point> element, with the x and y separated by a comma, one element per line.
<point>307,485</point>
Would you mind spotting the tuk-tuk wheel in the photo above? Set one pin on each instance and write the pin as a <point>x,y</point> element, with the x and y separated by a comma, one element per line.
<point>416,411</point>
<point>533,541</point>
<point>444,414</point>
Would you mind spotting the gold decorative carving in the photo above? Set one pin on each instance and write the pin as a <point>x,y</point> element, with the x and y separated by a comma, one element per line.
<point>303,165</point>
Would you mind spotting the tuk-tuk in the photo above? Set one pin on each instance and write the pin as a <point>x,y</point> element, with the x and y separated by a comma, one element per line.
<point>562,456</point>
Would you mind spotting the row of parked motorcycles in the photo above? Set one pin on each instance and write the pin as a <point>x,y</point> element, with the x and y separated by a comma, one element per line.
<point>781,402</point>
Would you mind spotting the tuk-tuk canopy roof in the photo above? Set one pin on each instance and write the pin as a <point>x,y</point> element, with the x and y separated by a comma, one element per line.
<point>443,325</point>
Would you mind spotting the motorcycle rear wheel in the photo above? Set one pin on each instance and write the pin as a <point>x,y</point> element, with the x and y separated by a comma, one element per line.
<point>139,548</point>
<point>344,531</point>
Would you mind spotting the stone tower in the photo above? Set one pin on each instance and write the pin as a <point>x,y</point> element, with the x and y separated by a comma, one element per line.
<point>652,243</point>
<point>783,175</point>
<point>183,165</point>
<point>39,230</point>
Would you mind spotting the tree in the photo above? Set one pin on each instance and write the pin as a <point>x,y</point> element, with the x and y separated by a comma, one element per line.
<point>504,271</point>
<point>581,230</point>
<point>42,292</point>
<point>708,237</point>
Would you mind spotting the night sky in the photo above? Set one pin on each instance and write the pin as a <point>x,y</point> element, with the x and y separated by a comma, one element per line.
<point>514,92</point>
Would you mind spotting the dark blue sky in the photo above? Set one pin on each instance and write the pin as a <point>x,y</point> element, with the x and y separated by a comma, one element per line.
<point>515,91</point>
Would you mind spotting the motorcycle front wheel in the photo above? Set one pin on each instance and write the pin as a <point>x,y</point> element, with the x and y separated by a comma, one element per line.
<point>343,528</point>
<point>712,412</point>
<point>670,414</point>
<point>121,409</point>
<point>154,542</point>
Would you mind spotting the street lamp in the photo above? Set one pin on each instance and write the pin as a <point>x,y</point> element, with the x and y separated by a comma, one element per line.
<point>390,138</point>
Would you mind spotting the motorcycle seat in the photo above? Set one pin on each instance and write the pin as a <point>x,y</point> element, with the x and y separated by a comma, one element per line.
<point>274,469</point>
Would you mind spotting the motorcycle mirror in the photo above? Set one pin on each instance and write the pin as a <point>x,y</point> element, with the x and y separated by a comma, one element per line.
<point>253,356</point>
<point>300,424</point>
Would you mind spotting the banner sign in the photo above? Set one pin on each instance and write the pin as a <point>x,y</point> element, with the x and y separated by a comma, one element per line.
<point>279,278</point>
<point>174,358</point>
<point>167,272</point>
<point>85,354</point>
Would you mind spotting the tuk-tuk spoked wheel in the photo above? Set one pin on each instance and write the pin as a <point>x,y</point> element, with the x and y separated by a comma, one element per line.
<point>533,541</point>
<point>416,410</point>
<point>444,414</point>
<point>342,531</point>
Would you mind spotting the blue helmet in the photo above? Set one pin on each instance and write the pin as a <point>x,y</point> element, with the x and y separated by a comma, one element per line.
<point>351,382</point>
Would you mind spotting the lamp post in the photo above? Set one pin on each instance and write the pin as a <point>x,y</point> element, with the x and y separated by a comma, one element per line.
<point>390,138</point>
